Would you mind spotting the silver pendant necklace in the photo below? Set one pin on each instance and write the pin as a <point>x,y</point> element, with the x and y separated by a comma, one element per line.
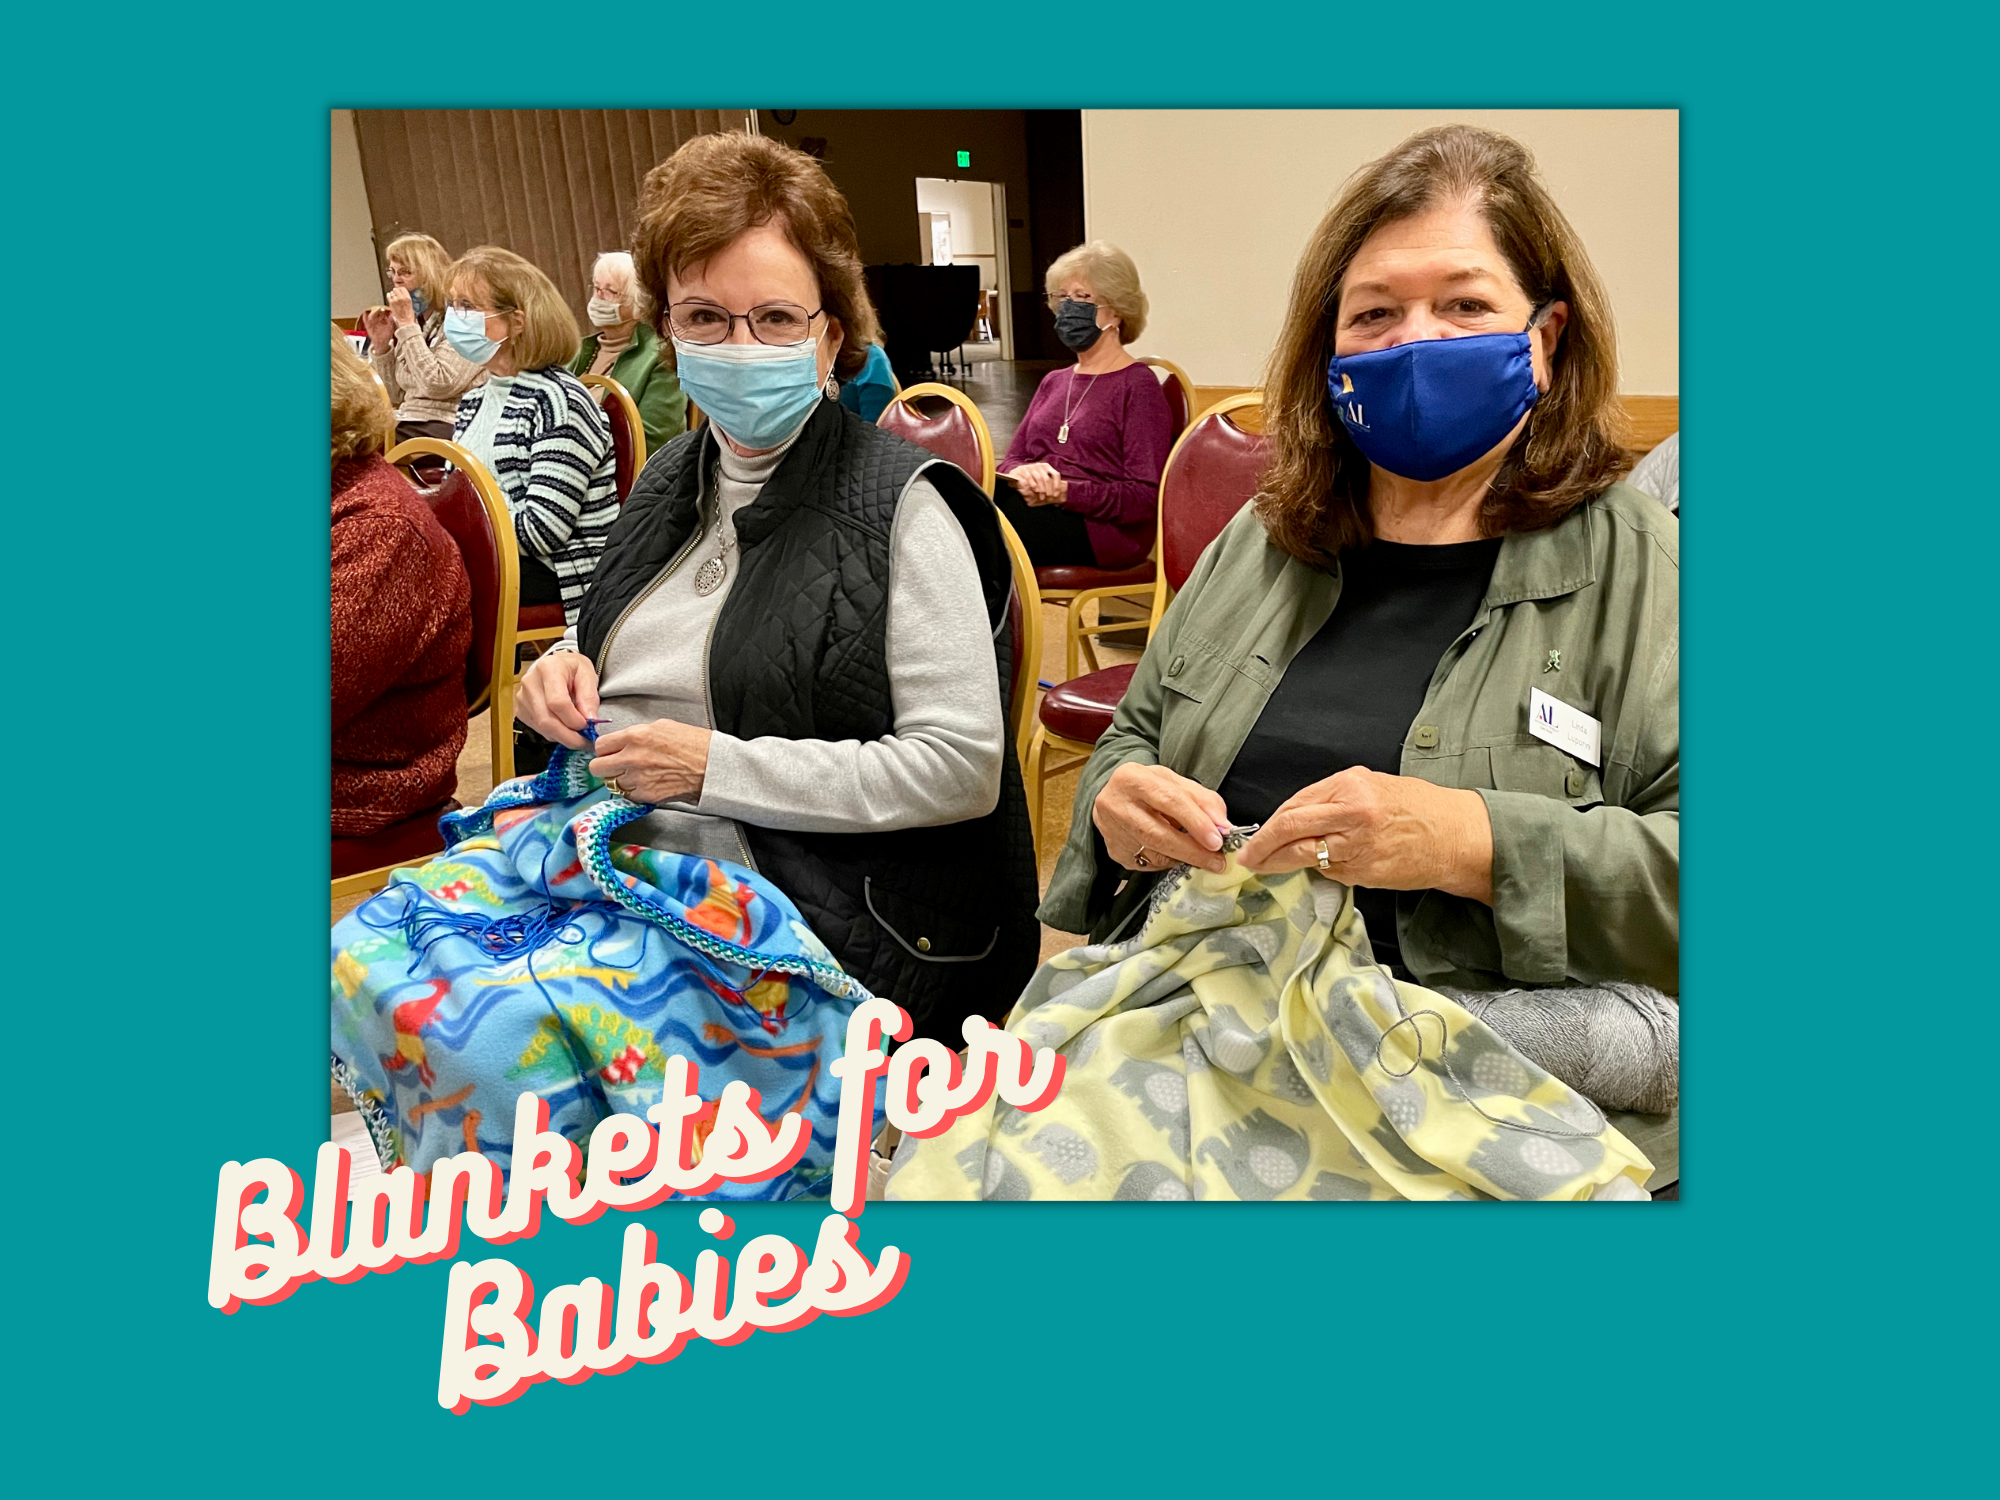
<point>708,577</point>
<point>1062,432</point>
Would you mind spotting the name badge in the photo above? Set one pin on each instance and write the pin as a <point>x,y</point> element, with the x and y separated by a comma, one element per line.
<point>1564,727</point>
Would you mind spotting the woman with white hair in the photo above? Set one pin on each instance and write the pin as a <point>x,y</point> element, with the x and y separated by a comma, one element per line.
<point>626,347</point>
<point>1083,471</point>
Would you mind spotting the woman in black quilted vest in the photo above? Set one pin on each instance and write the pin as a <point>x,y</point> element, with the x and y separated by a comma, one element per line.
<point>794,645</point>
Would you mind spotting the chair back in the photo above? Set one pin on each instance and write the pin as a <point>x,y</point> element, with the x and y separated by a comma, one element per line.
<point>1024,615</point>
<point>948,423</point>
<point>628,432</point>
<point>696,416</point>
<point>470,506</point>
<point>1210,475</point>
<point>1179,390</point>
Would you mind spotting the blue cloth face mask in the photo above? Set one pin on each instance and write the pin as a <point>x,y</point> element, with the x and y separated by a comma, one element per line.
<point>1076,325</point>
<point>419,303</point>
<point>1428,408</point>
<point>758,394</point>
<point>465,331</point>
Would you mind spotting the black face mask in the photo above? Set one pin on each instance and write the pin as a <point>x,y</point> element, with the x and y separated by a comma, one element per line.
<point>1076,325</point>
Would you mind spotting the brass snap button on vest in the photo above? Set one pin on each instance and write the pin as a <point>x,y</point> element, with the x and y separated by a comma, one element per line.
<point>1426,737</point>
<point>1573,783</point>
<point>923,945</point>
<point>1175,669</point>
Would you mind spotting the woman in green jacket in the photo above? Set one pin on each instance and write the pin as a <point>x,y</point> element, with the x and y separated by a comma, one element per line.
<point>1438,657</point>
<point>626,348</point>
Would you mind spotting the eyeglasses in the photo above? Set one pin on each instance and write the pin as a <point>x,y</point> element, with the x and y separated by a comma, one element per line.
<point>770,322</point>
<point>1057,299</point>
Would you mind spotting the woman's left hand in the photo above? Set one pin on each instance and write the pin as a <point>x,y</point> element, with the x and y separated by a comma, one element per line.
<point>401,308</point>
<point>664,761</point>
<point>1389,833</point>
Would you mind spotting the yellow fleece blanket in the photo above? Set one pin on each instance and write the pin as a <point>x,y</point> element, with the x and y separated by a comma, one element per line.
<point>1244,1045</point>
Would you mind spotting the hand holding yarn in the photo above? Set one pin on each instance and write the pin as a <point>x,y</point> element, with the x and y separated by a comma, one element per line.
<point>664,761</point>
<point>1151,818</point>
<point>1389,833</point>
<point>558,697</point>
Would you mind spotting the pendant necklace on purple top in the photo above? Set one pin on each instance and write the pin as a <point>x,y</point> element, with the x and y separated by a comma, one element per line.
<point>1062,432</point>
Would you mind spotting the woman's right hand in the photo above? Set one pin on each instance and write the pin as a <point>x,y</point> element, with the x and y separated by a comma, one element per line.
<point>380,325</point>
<point>1038,483</point>
<point>558,697</point>
<point>1168,817</point>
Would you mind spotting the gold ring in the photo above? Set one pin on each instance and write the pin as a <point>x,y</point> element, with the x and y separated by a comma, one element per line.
<point>616,789</point>
<point>1139,859</point>
<point>1325,864</point>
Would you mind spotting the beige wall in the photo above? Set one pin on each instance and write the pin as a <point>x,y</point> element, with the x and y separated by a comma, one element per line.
<point>1215,207</point>
<point>356,282</point>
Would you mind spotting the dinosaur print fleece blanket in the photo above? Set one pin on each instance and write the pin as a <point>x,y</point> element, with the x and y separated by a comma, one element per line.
<point>538,954</point>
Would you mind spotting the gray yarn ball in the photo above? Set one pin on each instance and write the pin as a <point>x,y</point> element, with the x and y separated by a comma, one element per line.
<point>1618,1045</point>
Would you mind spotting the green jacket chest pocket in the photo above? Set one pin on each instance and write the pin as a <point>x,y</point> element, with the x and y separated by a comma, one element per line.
<point>1192,683</point>
<point>1547,772</point>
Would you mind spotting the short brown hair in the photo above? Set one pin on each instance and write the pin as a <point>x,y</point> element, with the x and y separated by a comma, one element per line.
<point>1314,499</point>
<point>429,264</point>
<point>706,195</point>
<point>363,420</point>
<point>517,285</point>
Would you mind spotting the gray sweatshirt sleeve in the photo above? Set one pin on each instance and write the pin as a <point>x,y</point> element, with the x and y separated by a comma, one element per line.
<point>942,762</point>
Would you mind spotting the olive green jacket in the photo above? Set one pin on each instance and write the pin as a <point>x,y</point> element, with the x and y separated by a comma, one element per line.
<point>1586,859</point>
<point>653,387</point>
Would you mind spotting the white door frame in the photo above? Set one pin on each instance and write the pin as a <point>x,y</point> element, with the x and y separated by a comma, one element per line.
<point>1003,272</point>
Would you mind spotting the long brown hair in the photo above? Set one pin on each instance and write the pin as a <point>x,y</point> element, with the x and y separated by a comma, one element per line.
<point>1314,499</point>
<point>703,197</point>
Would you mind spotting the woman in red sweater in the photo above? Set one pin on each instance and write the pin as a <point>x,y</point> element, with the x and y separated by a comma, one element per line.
<point>402,624</point>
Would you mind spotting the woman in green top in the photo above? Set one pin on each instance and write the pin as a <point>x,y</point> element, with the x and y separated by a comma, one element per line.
<point>625,347</point>
<point>1438,657</point>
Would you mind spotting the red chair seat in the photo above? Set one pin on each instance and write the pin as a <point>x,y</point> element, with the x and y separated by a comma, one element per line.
<point>413,838</point>
<point>1095,578</point>
<point>1081,708</point>
<point>541,617</point>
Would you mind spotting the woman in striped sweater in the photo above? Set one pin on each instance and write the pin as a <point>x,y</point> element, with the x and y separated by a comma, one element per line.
<point>532,422</point>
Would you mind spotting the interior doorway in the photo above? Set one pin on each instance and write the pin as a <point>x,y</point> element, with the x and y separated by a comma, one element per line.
<point>961,223</point>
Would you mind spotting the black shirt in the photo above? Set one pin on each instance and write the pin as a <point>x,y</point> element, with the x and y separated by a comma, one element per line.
<point>1351,694</point>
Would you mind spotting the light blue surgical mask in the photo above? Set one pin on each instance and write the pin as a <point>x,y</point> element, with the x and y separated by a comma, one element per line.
<point>757,394</point>
<point>465,331</point>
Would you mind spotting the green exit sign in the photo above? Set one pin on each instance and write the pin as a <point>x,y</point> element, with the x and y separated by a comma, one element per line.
<point>965,158</point>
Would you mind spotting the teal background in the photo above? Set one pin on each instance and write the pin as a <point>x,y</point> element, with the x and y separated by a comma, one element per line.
<point>1810,1319</point>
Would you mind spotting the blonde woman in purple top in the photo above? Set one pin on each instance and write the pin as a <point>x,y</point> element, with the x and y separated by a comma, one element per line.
<point>1083,472</point>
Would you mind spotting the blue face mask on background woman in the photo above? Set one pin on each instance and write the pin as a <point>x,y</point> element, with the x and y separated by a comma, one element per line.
<point>758,394</point>
<point>465,331</point>
<point>1076,325</point>
<point>419,303</point>
<point>1428,408</point>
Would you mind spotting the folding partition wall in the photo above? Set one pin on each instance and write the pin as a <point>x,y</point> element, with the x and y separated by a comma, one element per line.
<point>557,186</point>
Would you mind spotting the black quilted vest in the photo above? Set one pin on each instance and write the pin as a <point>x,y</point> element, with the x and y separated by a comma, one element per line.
<point>940,920</point>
